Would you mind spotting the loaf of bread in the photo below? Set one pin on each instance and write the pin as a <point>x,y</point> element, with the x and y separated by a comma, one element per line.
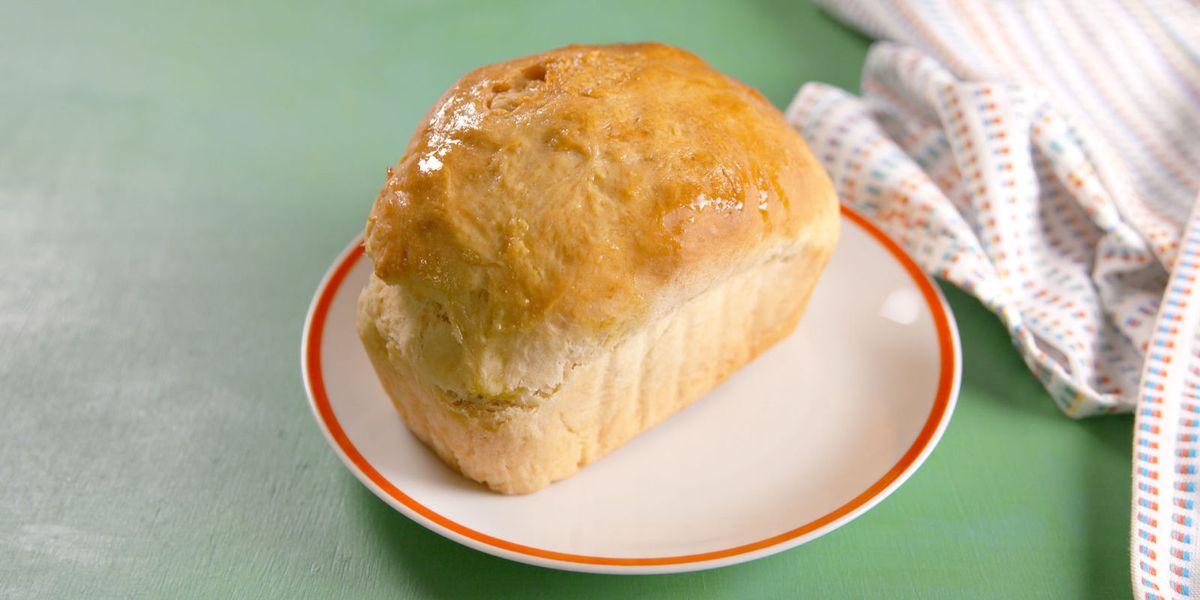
<point>579,243</point>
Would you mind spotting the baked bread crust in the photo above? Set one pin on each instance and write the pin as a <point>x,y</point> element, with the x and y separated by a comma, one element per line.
<point>555,223</point>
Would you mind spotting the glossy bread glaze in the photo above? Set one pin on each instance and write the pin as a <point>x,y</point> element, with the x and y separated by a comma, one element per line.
<point>549,205</point>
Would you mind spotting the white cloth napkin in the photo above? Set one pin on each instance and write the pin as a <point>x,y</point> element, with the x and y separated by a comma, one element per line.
<point>1044,156</point>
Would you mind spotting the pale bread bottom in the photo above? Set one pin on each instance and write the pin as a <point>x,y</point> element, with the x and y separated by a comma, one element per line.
<point>605,402</point>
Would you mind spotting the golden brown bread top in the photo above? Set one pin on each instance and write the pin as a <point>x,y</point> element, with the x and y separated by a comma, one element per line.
<point>575,194</point>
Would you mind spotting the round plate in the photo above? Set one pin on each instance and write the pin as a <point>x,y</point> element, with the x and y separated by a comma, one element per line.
<point>806,437</point>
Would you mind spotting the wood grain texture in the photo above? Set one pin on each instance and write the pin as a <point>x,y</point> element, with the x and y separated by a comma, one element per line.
<point>173,183</point>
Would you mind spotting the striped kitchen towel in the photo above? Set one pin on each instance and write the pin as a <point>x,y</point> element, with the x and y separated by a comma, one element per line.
<point>1043,157</point>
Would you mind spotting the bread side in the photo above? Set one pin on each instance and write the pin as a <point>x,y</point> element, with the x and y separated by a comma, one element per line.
<point>524,445</point>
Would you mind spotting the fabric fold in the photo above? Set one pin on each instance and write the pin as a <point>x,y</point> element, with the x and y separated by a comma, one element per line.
<point>1043,157</point>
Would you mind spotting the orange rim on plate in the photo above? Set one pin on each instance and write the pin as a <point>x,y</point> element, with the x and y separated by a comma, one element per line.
<point>316,386</point>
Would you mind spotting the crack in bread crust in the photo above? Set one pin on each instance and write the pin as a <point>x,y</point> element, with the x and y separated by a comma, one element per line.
<point>643,380</point>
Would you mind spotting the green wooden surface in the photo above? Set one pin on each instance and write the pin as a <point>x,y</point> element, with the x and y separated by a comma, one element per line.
<point>173,183</point>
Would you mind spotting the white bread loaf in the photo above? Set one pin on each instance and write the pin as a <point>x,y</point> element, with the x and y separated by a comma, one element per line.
<point>579,243</point>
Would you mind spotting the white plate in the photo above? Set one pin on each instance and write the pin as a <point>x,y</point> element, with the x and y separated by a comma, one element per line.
<point>810,435</point>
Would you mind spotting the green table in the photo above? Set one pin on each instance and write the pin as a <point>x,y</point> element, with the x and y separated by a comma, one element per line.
<point>174,182</point>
